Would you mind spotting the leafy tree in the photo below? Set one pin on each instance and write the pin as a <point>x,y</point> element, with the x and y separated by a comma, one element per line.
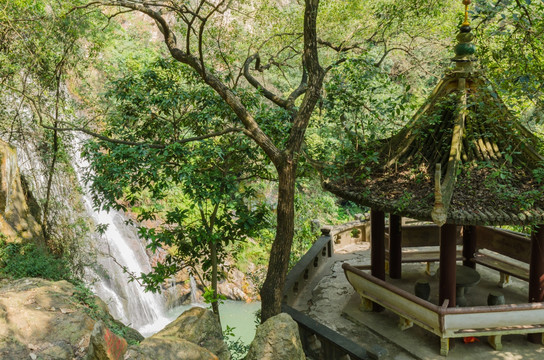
<point>510,46</point>
<point>188,47</point>
<point>201,190</point>
<point>213,38</point>
<point>40,47</point>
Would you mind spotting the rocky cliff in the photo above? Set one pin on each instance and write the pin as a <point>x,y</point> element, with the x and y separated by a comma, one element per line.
<point>16,220</point>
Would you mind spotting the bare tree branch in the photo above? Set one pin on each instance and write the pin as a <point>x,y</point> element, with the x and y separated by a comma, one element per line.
<point>340,48</point>
<point>276,99</point>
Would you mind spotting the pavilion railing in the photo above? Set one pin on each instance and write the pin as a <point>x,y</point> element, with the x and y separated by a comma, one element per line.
<point>324,343</point>
<point>446,322</point>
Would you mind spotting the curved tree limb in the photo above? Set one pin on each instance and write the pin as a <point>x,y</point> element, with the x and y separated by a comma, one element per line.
<point>276,99</point>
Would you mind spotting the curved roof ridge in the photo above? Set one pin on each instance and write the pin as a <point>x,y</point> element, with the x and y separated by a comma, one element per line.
<point>444,189</point>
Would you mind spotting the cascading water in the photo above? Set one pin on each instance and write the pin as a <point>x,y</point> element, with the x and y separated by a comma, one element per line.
<point>117,248</point>
<point>194,296</point>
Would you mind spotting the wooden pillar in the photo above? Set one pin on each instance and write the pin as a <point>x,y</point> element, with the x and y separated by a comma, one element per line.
<point>469,246</point>
<point>446,288</point>
<point>377,248</point>
<point>395,246</point>
<point>536,272</point>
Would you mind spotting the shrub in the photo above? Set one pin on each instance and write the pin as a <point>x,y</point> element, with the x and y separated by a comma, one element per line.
<point>18,260</point>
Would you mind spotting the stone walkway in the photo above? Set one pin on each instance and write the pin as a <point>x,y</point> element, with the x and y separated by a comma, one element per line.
<point>333,292</point>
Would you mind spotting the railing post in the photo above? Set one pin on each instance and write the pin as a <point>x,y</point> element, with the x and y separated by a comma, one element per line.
<point>536,272</point>
<point>377,248</point>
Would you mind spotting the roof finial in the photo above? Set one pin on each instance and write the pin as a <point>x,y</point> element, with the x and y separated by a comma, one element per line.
<point>464,48</point>
<point>466,3</point>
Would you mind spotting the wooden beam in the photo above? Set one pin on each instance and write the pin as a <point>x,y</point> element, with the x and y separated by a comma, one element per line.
<point>377,247</point>
<point>446,288</point>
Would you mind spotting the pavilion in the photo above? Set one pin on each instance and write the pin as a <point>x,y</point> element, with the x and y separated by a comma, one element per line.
<point>463,160</point>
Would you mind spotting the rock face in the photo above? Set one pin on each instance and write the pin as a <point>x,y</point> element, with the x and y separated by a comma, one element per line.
<point>168,348</point>
<point>236,285</point>
<point>277,339</point>
<point>15,218</point>
<point>195,334</point>
<point>105,345</point>
<point>40,319</point>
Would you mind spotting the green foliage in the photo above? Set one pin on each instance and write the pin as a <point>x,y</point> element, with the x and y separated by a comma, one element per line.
<point>511,48</point>
<point>238,350</point>
<point>199,191</point>
<point>363,103</point>
<point>210,297</point>
<point>19,260</point>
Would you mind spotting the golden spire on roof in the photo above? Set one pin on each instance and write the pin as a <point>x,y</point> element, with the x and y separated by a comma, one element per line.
<point>466,3</point>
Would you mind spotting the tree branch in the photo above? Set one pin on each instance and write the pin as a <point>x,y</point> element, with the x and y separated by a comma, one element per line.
<point>339,48</point>
<point>142,143</point>
<point>310,62</point>
<point>276,99</point>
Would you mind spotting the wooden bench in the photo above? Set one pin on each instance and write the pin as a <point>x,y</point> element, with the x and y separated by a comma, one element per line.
<point>446,322</point>
<point>419,256</point>
<point>503,266</point>
<point>504,248</point>
<point>416,241</point>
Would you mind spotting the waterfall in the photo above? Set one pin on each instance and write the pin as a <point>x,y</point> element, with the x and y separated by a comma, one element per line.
<point>194,296</point>
<point>10,173</point>
<point>120,247</point>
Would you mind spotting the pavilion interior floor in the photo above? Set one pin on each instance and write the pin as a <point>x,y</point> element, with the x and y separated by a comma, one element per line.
<point>331,300</point>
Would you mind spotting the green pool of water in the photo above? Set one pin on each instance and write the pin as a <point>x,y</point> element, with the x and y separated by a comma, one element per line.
<point>236,314</point>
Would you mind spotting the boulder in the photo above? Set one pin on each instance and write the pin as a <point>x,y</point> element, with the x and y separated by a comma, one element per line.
<point>276,339</point>
<point>168,348</point>
<point>105,345</point>
<point>132,336</point>
<point>39,318</point>
<point>199,326</point>
<point>232,287</point>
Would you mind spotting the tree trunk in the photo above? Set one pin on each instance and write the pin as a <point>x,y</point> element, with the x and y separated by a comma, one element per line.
<point>45,223</point>
<point>271,292</point>
<point>215,301</point>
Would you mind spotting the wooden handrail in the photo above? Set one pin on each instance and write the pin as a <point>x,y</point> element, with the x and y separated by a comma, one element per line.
<point>347,267</point>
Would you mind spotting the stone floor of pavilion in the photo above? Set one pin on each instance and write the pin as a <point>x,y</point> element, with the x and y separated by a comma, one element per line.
<point>331,300</point>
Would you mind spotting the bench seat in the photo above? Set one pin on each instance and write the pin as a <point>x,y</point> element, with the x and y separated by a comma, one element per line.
<point>426,256</point>
<point>505,267</point>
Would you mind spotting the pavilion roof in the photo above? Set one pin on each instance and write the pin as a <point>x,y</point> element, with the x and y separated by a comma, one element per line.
<point>463,159</point>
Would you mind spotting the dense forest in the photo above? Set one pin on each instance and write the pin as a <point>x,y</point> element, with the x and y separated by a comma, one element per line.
<point>213,123</point>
